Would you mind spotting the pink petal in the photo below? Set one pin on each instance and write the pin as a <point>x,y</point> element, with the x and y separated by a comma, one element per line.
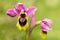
<point>17,11</point>
<point>20,7</point>
<point>33,21</point>
<point>49,21</point>
<point>31,10</point>
<point>11,12</point>
<point>32,25</point>
<point>46,26</point>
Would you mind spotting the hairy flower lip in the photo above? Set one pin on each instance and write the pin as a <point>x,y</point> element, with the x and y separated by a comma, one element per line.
<point>22,23</point>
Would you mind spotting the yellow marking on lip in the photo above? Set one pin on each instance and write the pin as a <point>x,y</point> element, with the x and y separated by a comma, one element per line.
<point>43,35</point>
<point>24,27</point>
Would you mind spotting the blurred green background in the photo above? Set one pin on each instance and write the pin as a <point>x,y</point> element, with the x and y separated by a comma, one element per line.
<point>46,9</point>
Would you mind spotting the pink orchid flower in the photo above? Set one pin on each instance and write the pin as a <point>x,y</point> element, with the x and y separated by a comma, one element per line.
<point>17,9</point>
<point>46,24</point>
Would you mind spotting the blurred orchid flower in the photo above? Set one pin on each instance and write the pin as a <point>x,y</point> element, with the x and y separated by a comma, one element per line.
<point>22,23</point>
<point>45,26</point>
<point>23,12</point>
<point>17,9</point>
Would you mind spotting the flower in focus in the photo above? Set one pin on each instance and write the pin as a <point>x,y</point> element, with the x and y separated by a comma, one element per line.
<point>45,27</point>
<point>23,13</point>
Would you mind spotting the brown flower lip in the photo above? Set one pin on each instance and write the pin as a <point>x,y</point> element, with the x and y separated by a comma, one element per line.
<point>22,23</point>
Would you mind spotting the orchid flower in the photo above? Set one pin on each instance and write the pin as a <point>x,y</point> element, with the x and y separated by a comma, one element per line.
<point>45,27</point>
<point>21,10</point>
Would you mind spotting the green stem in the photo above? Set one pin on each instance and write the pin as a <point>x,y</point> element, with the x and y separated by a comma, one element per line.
<point>38,22</point>
<point>29,31</point>
<point>27,37</point>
